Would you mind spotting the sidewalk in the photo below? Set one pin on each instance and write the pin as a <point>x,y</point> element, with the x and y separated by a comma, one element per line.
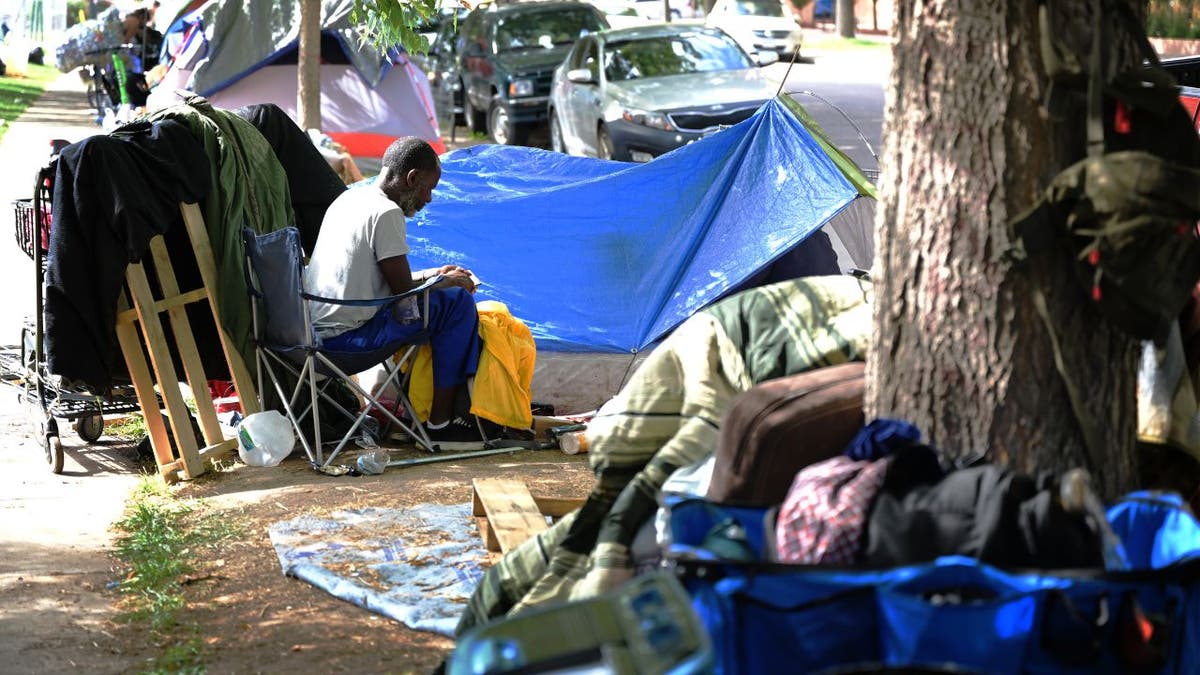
<point>54,566</point>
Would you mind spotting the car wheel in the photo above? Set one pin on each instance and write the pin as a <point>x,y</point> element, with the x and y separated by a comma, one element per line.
<point>476,119</point>
<point>604,141</point>
<point>556,138</point>
<point>501,127</point>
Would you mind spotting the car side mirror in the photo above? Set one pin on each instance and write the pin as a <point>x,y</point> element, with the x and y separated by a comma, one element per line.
<point>581,76</point>
<point>765,58</point>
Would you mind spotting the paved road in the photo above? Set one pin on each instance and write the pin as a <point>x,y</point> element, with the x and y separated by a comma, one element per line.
<point>844,92</point>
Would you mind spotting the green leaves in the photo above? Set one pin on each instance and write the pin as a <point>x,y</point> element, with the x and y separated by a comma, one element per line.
<point>395,22</point>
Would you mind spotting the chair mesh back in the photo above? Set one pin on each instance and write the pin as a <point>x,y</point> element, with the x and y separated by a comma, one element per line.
<point>276,265</point>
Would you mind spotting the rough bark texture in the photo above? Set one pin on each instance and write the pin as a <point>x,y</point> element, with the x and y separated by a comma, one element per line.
<point>961,351</point>
<point>308,88</point>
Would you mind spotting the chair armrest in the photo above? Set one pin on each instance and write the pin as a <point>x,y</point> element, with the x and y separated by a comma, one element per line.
<point>378,302</point>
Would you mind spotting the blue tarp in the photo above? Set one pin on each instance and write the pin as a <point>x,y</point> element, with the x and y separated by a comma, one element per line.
<point>602,256</point>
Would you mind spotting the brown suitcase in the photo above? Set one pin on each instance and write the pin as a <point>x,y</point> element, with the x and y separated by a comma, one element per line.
<point>781,426</point>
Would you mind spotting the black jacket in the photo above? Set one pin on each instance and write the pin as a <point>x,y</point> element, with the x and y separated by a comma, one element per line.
<point>112,194</point>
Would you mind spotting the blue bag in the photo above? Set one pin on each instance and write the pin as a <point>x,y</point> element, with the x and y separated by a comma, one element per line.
<point>951,613</point>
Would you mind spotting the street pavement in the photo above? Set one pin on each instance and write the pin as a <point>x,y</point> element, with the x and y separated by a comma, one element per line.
<point>53,528</point>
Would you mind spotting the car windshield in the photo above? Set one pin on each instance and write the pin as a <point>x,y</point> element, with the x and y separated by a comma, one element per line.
<point>758,7</point>
<point>672,55</point>
<point>545,30</point>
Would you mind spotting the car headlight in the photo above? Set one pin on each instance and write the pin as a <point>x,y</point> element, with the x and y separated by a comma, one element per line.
<point>654,120</point>
<point>520,88</point>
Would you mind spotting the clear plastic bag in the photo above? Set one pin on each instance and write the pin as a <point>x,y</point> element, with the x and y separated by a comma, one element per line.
<point>265,438</point>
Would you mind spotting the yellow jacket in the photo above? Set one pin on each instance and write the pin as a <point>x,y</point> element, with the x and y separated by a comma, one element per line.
<point>504,380</point>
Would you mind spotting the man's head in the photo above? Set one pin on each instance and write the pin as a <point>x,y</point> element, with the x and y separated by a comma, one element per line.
<point>135,22</point>
<point>411,170</point>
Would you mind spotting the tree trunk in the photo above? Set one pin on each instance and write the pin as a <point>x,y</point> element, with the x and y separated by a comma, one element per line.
<point>845,18</point>
<point>666,7</point>
<point>308,86</point>
<point>961,351</point>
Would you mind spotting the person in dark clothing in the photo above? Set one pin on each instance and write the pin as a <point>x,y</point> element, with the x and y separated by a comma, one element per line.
<point>147,42</point>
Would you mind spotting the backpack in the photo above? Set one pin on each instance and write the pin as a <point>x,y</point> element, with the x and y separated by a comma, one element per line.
<point>1126,213</point>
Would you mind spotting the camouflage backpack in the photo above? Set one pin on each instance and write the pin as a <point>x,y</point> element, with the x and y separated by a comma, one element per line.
<point>1127,212</point>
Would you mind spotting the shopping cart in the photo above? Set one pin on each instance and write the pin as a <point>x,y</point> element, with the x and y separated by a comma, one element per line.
<point>24,367</point>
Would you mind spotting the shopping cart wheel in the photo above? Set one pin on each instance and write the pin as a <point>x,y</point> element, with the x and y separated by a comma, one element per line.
<point>54,453</point>
<point>90,428</point>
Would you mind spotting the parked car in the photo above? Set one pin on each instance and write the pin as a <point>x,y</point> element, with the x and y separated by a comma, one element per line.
<point>758,25</point>
<point>499,65</point>
<point>635,93</point>
<point>440,67</point>
<point>680,9</point>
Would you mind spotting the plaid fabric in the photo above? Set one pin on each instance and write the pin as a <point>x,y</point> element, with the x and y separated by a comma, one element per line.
<point>821,520</point>
<point>667,416</point>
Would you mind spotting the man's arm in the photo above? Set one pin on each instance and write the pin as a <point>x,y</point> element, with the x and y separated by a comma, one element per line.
<point>399,275</point>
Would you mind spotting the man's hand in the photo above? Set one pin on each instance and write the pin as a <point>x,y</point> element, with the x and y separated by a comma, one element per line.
<point>453,275</point>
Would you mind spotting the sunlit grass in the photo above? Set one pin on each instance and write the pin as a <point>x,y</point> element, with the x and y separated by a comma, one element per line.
<point>833,43</point>
<point>18,92</point>
<point>162,539</point>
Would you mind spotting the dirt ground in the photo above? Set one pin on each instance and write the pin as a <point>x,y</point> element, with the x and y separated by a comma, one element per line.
<point>256,620</point>
<point>251,618</point>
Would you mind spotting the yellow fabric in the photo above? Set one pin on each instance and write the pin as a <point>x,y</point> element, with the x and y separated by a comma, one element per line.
<point>504,380</point>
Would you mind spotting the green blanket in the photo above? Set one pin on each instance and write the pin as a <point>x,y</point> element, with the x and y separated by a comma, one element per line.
<point>669,415</point>
<point>250,190</point>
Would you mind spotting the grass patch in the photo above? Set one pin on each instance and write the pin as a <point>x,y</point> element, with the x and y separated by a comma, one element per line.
<point>131,427</point>
<point>18,92</point>
<point>162,540</point>
<point>836,43</point>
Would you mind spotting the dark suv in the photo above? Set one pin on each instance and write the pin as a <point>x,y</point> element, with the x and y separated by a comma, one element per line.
<point>500,66</point>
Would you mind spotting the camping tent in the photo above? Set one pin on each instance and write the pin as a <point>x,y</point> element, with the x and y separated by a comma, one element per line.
<point>602,259</point>
<point>239,52</point>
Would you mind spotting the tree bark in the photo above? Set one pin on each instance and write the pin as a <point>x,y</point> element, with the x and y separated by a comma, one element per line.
<point>308,86</point>
<point>961,351</point>
<point>845,18</point>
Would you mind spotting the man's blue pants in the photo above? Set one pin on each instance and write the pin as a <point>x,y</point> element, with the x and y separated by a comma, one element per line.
<point>453,335</point>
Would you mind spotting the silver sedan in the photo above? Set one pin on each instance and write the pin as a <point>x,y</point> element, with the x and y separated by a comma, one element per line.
<point>633,94</point>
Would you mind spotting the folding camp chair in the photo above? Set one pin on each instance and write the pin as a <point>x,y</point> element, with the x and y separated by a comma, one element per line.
<point>285,342</point>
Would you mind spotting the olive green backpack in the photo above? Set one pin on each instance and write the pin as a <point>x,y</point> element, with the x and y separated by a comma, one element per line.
<point>1124,216</point>
<point>1127,212</point>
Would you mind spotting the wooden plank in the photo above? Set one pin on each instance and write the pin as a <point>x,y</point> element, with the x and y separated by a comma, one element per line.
<point>489,537</point>
<point>131,315</point>
<point>164,370</point>
<point>227,444</point>
<point>185,343</point>
<point>512,515</point>
<point>143,387</point>
<point>196,295</point>
<point>242,381</point>
<point>557,507</point>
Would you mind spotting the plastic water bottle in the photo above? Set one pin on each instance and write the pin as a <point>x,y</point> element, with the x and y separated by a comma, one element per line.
<point>373,463</point>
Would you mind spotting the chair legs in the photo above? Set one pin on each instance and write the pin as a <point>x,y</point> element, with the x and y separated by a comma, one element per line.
<point>308,378</point>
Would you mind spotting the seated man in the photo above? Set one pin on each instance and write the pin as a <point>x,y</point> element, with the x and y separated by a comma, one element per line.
<point>361,253</point>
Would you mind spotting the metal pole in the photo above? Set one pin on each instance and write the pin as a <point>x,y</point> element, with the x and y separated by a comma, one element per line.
<point>452,457</point>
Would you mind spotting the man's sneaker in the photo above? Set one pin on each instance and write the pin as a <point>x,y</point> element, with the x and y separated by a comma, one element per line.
<point>460,433</point>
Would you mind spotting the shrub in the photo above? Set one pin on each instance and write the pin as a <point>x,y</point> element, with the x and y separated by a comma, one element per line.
<point>1173,19</point>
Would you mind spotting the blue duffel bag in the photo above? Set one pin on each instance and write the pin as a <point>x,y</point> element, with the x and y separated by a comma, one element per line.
<point>953,614</point>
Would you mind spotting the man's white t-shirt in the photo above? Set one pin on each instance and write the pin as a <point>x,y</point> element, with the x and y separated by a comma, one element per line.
<point>361,227</point>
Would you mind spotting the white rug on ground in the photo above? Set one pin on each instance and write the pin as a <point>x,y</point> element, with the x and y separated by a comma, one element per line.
<point>418,566</point>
